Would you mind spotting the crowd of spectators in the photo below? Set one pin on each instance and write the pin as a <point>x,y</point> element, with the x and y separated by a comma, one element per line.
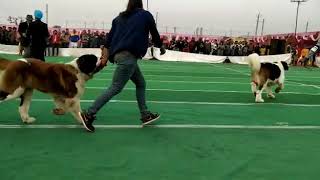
<point>8,35</point>
<point>59,39</point>
<point>93,39</point>
<point>214,47</point>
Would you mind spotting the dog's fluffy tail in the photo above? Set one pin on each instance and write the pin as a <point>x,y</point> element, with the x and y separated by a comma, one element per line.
<point>254,62</point>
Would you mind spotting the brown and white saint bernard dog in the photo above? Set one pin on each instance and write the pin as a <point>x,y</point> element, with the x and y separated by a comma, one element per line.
<point>64,82</point>
<point>266,75</point>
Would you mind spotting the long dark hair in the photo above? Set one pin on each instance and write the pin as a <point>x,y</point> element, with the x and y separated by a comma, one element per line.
<point>132,6</point>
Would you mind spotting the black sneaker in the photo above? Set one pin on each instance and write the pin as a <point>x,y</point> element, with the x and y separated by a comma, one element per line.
<point>149,118</point>
<point>87,121</point>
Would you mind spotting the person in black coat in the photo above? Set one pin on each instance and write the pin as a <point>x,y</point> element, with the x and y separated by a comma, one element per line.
<point>39,34</point>
<point>24,40</point>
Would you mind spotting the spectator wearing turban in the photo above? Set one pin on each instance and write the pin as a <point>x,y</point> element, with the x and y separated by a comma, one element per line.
<point>39,34</point>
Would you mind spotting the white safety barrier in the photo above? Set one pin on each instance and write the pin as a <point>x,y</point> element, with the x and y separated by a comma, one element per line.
<point>190,57</point>
<point>8,49</point>
<point>184,57</point>
<point>271,58</point>
<point>169,56</point>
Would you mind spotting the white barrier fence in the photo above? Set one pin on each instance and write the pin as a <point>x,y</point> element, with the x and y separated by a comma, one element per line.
<point>190,57</point>
<point>169,56</point>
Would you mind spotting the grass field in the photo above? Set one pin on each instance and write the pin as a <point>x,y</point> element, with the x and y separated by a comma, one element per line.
<point>210,129</point>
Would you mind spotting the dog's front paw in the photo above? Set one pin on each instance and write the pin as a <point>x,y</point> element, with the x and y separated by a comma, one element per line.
<point>29,120</point>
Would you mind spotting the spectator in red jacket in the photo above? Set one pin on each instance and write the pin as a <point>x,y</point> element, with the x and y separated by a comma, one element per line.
<point>55,42</point>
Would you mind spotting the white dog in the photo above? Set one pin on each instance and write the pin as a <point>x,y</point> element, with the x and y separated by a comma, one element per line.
<point>266,75</point>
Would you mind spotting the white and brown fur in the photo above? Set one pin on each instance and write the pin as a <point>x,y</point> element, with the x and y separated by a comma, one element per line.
<point>266,75</point>
<point>64,82</point>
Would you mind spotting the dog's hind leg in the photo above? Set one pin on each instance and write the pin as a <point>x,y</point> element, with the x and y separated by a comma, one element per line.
<point>25,105</point>
<point>4,96</point>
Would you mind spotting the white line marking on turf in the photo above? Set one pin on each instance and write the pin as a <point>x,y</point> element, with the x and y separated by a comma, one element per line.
<point>186,82</point>
<point>202,90</point>
<point>212,71</point>
<point>207,82</point>
<point>195,103</point>
<point>237,71</point>
<point>202,77</point>
<point>306,85</point>
<point>169,126</point>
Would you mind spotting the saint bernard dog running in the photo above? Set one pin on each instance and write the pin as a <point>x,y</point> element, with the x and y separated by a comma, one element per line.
<point>64,82</point>
<point>265,75</point>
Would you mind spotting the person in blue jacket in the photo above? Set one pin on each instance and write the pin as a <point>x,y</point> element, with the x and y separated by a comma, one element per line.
<point>127,42</point>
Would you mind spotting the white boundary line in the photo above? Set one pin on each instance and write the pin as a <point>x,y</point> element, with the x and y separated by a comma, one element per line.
<point>169,126</point>
<point>306,85</point>
<point>201,90</point>
<point>201,77</point>
<point>195,103</point>
<point>199,82</point>
<point>209,77</point>
<point>231,69</point>
<point>184,82</point>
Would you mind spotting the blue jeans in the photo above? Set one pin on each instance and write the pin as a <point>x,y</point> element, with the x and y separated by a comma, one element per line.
<point>127,68</point>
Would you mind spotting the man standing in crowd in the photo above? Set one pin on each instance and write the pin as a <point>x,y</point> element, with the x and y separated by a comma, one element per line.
<point>24,40</point>
<point>39,34</point>
<point>74,39</point>
<point>65,36</point>
<point>127,42</point>
<point>312,55</point>
<point>200,47</point>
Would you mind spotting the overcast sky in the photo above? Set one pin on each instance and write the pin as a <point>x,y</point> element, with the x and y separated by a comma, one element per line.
<point>220,17</point>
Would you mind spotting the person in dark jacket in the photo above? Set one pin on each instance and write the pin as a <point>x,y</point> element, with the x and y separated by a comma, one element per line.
<point>39,35</point>
<point>24,40</point>
<point>126,43</point>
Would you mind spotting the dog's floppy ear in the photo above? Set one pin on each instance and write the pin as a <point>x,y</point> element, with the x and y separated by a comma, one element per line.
<point>285,65</point>
<point>87,63</point>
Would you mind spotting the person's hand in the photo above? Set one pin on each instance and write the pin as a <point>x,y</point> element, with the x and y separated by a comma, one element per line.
<point>104,61</point>
<point>162,50</point>
<point>104,56</point>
